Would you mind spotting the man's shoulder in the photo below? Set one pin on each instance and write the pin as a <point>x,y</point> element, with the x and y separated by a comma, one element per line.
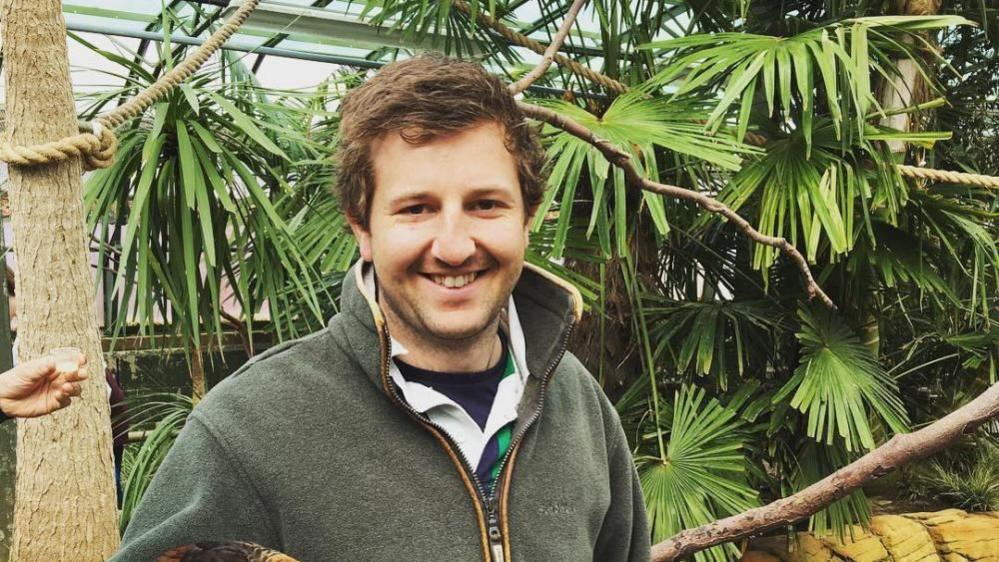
<point>577,403</point>
<point>572,371</point>
<point>277,358</point>
<point>280,373</point>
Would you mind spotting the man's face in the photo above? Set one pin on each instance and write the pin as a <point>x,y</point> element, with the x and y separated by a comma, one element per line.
<point>447,233</point>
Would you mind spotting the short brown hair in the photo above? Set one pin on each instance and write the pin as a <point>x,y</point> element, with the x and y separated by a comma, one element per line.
<point>422,98</point>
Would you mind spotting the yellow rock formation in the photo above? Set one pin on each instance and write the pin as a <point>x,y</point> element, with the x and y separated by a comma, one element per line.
<point>950,535</point>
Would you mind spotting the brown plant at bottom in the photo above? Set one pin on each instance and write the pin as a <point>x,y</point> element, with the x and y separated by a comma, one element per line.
<point>224,552</point>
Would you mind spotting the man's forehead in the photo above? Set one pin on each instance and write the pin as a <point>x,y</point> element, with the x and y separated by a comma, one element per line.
<point>471,161</point>
<point>468,191</point>
<point>417,136</point>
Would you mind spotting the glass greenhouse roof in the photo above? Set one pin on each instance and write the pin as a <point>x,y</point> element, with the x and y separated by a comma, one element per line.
<point>323,31</point>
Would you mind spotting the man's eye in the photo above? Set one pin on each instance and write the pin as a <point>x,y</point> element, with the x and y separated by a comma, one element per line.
<point>486,205</point>
<point>415,209</point>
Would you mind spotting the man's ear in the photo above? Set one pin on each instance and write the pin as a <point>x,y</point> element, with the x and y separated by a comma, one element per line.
<point>363,237</point>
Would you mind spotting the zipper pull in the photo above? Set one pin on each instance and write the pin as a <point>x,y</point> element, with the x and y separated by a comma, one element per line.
<point>495,535</point>
<point>496,542</point>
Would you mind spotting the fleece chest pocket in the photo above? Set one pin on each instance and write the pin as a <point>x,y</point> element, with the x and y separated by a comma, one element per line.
<point>559,496</point>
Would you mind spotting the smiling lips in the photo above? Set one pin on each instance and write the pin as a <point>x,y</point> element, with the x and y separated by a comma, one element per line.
<point>453,281</point>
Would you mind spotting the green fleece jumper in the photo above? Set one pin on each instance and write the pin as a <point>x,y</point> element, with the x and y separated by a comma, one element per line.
<point>310,450</point>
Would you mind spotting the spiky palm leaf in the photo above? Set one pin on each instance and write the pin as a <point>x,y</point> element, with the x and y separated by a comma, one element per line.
<point>195,186</point>
<point>836,59</point>
<point>706,338</point>
<point>441,26</point>
<point>161,415</point>
<point>637,125</point>
<point>838,384</point>
<point>813,462</point>
<point>703,476</point>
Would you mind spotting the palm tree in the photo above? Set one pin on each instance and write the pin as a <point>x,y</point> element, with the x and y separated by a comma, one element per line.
<point>201,202</point>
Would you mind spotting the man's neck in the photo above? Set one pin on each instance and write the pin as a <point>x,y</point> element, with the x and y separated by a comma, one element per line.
<point>453,356</point>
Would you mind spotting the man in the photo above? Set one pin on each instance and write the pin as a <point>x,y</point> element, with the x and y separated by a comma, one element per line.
<point>36,388</point>
<point>438,417</point>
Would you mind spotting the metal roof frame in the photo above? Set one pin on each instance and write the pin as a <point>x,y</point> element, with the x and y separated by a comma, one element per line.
<point>341,39</point>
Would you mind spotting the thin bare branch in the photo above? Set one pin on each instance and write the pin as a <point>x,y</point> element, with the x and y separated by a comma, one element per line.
<point>622,160</point>
<point>901,449</point>
<point>546,60</point>
<point>240,327</point>
<point>523,41</point>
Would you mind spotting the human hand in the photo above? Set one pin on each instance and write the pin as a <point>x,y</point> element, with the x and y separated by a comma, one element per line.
<point>35,388</point>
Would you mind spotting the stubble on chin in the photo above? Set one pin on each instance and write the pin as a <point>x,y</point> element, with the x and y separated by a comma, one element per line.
<point>407,322</point>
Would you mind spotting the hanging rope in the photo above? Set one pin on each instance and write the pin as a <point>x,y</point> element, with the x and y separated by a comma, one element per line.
<point>97,143</point>
<point>943,176</point>
<point>946,176</point>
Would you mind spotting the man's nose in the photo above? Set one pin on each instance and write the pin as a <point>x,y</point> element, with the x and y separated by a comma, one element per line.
<point>453,244</point>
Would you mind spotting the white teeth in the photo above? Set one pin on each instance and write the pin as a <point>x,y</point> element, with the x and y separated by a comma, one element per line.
<point>453,282</point>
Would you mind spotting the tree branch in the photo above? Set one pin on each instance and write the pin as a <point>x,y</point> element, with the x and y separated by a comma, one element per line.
<point>546,60</point>
<point>622,160</point>
<point>240,327</point>
<point>521,40</point>
<point>901,449</point>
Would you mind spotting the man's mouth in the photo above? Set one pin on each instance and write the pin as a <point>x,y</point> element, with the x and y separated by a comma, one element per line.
<point>453,281</point>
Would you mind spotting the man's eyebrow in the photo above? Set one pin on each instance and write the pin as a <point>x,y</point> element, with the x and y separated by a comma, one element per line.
<point>481,191</point>
<point>493,190</point>
<point>411,196</point>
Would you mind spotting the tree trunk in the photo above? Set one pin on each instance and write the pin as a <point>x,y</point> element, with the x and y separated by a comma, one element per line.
<point>613,352</point>
<point>65,506</point>
<point>903,90</point>
<point>907,88</point>
<point>197,372</point>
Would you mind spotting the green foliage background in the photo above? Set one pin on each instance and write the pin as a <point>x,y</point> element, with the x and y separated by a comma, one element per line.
<point>734,390</point>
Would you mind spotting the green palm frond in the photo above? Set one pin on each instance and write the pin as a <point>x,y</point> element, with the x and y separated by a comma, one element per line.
<point>440,26</point>
<point>196,188</point>
<point>637,125</point>
<point>162,414</point>
<point>898,259</point>
<point>710,15</point>
<point>705,338</point>
<point>814,194</point>
<point>703,476</point>
<point>838,384</point>
<point>835,59</point>
<point>815,462</point>
<point>980,349</point>
<point>578,248</point>
<point>960,221</point>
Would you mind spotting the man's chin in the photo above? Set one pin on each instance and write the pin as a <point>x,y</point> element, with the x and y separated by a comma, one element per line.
<point>457,333</point>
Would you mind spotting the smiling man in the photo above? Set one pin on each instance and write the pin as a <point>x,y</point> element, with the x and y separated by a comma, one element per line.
<point>438,416</point>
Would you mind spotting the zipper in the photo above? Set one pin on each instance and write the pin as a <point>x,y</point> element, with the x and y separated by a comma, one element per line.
<point>490,501</point>
<point>515,442</point>
<point>495,534</point>
<point>541,402</point>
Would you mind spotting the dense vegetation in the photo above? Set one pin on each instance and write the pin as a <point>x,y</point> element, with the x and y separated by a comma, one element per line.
<point>734,389</point>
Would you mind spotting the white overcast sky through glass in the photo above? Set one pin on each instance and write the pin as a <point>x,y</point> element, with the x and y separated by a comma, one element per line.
<point>91,72</point>
<point>275,72</point>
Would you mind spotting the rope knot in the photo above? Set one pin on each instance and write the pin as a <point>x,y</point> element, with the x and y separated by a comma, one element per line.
<point>95,145</point>
<point>102,156</point>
